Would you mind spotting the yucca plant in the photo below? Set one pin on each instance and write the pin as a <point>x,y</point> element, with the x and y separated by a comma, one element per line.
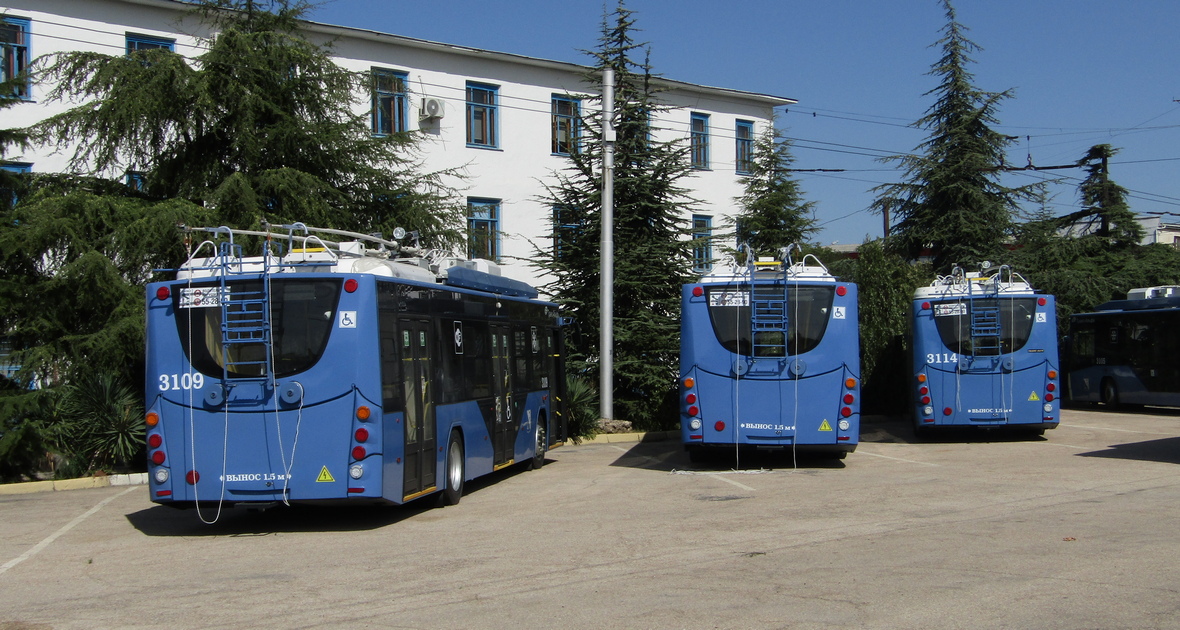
<point>105,425</point>
<point>582,407</point>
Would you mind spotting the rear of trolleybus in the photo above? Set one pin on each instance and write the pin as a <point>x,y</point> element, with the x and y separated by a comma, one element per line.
<point>769,360</point>
<point>265,383</point>
<point>984,353</point>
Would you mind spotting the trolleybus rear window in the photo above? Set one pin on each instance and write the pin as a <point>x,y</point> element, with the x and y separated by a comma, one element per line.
<point>808,311</point>
<point>302,313</point>
<point>953,318</point>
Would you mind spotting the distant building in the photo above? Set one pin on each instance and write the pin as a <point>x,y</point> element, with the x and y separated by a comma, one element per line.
<point>1157,230</point>
<point>506,120</point>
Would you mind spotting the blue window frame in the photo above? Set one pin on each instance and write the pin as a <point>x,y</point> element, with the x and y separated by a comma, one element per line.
<point>483,229</point>
<point>390,101</point>
<point>565,125</point>
<point>702,249</point>
<point>482,106</point>
<point>19,168</point>
<point>8,368</point>
<point>744,156</point>
<point>565,230</point>
<point>137,43</point>
<point>699,138</point>
<point>14,53</point>
<point>135,180</point>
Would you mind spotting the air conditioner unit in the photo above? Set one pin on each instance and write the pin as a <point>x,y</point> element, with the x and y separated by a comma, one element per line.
<point>431,108</point>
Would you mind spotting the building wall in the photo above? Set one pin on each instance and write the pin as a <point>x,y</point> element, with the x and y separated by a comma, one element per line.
<point>513,172</point>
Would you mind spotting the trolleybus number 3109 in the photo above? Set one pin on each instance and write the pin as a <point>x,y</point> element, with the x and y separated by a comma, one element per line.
<point>174,382</point>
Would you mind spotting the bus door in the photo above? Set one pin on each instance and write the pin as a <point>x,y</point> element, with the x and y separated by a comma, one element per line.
<point>419,426</point>
<point>504,437</point>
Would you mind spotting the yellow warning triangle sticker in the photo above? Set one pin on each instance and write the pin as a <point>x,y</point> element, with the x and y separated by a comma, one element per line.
<point>325,476</point>
<point>1033,396</point>
<point>824,426</point>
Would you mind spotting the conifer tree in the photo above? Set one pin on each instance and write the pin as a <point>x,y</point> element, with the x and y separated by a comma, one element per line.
<point>1104,203</point>
<point>772,211</point>
<point>260,126</point>
<point>652,253</point>
<point>952,203</point>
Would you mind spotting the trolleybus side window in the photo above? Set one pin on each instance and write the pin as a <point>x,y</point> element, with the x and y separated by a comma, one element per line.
<point>808,312</point>
<point>301,311</point>
<point>1015,321</point>
<point>391,379</point>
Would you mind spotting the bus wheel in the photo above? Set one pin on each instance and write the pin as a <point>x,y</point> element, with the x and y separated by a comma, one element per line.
<point>539,447</point>
<point>1110,393</point>
<point>453,489</point>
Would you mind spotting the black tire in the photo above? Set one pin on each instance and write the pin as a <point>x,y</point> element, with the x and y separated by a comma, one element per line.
<point>454,471</point>
<point>1110,393</point>
<point>540,445</point>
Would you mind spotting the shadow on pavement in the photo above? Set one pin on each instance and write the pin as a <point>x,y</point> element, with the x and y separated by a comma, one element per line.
<point>346,516</point>
<point>1165,450</point>
<point>669,455</point>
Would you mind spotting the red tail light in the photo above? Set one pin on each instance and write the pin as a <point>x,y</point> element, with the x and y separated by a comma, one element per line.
<point>358,452</point>
<point>192,477</point>
<point>154,440</point>
<point>158,458</point>
<point>362,434</point>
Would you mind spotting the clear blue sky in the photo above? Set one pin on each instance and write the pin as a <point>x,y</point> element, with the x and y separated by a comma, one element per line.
<point>1082,72</point>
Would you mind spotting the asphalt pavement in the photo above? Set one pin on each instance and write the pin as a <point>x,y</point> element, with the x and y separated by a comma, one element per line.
<point>1076,529</point>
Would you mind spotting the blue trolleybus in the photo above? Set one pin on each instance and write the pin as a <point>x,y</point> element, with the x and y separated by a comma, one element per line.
<point>984,353</point>
<point>1127,351</point>
<point>769,359</point>
<point>358,371</point>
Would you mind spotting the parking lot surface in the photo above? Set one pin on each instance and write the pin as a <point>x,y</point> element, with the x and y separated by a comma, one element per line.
<point>1076,529</point>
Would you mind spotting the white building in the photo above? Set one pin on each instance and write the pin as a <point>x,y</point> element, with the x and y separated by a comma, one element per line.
<point>501,118</point>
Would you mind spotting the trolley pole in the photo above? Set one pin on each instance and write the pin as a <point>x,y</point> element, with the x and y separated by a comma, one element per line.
<point>606,351</point>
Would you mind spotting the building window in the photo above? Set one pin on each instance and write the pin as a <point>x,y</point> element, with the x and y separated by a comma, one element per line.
<point>8,191</point>
<point>699,133</point>
<point>389,102</point>
<point>565,125</point>
<point>136,43</point>
<point>744,157</point>
<point>483,229</point>
<point>702,249</point>
<point>14,53</point>
<point>136,180</point>
<point>565,230</point>
<point>481,115</point>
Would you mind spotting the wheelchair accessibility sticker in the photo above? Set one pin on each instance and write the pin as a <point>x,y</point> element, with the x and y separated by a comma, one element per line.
<point>347,319</point>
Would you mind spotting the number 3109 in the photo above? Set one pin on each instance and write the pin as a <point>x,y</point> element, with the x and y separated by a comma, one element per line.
<point>181,381</point>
